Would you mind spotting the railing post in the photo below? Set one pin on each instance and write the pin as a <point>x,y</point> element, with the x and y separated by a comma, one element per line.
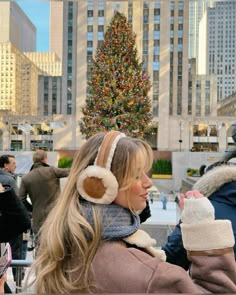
<point>19,264</point>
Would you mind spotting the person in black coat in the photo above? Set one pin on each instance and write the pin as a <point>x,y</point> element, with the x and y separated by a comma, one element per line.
<point>219,186</point>
<point>14,218</point>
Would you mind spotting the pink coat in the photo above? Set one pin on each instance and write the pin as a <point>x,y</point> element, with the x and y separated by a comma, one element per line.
<point>121,268</point>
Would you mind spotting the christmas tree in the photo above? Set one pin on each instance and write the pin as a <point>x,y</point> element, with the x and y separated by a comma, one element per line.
<point>118,88</point>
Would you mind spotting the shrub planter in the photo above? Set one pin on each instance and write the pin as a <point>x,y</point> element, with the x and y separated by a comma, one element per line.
<point>162,176</point>
<point>162,168</point>
<point>193,172</point>
<point>65,162</point>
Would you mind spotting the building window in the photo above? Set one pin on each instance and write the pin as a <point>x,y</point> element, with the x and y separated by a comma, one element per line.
<point>100,13</point>
<point>90,13</point>
<point>100,28</point>
<point>155,75</point>
<point>90,28</point>
<point>90,44</point>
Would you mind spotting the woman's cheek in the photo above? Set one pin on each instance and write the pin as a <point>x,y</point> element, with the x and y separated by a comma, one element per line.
<point>136,188</point>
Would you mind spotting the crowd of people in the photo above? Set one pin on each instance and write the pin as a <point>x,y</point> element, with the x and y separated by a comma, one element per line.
<point>89,237</point>
<point>26,207</point>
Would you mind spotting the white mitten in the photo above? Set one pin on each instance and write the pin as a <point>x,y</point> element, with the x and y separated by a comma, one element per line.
<point>197,211</point>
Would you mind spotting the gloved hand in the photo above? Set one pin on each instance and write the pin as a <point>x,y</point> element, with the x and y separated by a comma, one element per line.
<point>197,208</point>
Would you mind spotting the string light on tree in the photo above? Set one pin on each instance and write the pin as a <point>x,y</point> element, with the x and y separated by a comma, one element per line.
<point>118,88</point>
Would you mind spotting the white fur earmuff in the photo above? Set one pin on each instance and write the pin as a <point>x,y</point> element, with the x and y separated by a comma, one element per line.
<point>96,183</point>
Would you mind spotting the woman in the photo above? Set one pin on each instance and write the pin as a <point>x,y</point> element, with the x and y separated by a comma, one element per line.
<point>91,241</point>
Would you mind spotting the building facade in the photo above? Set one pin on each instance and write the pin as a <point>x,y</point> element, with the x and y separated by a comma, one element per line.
<point>162,48</point>
<point>50,82</point>
<point>18,81</point>
<point>16,27</point>
<point>182,100</point>
<point>227,107</point>
<point>197,10</point>
<point>49,95</point>
<point>162,38</point>
<point>221,49</point>
<point>48,62</point>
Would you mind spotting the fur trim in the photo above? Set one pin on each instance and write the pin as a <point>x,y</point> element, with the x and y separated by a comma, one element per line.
<point>156,253</point>
<point>214,179</point>
<point>141,239</point>
<point>96,183</point>
<point>106,189</point>
<point>112,150</point>
<point>217,234</point>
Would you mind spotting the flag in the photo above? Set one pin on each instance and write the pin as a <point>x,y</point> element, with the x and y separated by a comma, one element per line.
<point>57,124</point>
<point>45,127</point>
<point>28,127</point>
<point>22,128</point>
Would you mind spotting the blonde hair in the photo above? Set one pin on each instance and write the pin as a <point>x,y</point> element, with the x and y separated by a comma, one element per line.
<point>64,258</point>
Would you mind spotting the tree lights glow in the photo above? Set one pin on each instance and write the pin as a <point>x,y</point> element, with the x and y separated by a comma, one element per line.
<point>118,88</point>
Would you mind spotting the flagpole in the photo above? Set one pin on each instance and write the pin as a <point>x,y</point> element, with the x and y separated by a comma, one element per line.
<point>9,147</point>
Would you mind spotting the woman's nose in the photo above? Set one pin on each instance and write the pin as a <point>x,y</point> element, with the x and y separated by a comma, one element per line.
<point>147,181</point>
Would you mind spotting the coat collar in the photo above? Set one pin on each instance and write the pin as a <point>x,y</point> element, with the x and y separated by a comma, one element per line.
<point>4,172</point>
<point>142,240</point>
<point>215,179</point>
<point>38,165</point>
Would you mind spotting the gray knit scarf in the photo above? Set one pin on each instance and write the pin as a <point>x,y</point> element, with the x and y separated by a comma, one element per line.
<point>117,222</point>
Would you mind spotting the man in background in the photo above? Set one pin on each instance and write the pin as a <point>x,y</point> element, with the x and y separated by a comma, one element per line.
<point>42,185</point>
<point>7,170</point>
<point>7,178</point>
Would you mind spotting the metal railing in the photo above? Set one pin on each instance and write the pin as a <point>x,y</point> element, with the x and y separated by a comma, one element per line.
<point>18,265</point>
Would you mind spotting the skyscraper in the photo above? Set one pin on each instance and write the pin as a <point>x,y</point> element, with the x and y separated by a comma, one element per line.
<point>197,9</point>
<point>18,75</point>
<point>221,49</point>
<point>162,39</point>
<point>161,28</point>
<point>16,27</point>
<point>19,81</point>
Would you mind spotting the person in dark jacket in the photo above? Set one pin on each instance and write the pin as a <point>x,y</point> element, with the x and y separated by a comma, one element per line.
<point>8,177</point>
<point>7,170</point>
<point>14,218</point>
<point>219,186</point>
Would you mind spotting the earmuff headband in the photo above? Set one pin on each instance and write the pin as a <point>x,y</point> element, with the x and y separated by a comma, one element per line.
<point>97,183</point>
<point>107,149</point>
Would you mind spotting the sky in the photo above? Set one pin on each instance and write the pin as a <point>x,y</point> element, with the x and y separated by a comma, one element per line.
<point>38,12</point>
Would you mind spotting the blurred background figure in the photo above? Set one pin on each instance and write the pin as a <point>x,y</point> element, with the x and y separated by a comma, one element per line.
<point>234,132</point>
<point>14,218</point>
<point>164,200</point>
<point>8,178</point>
<point>42,185</point>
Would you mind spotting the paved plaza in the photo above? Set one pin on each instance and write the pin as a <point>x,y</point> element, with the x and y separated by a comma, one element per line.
<point>160,216</point>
